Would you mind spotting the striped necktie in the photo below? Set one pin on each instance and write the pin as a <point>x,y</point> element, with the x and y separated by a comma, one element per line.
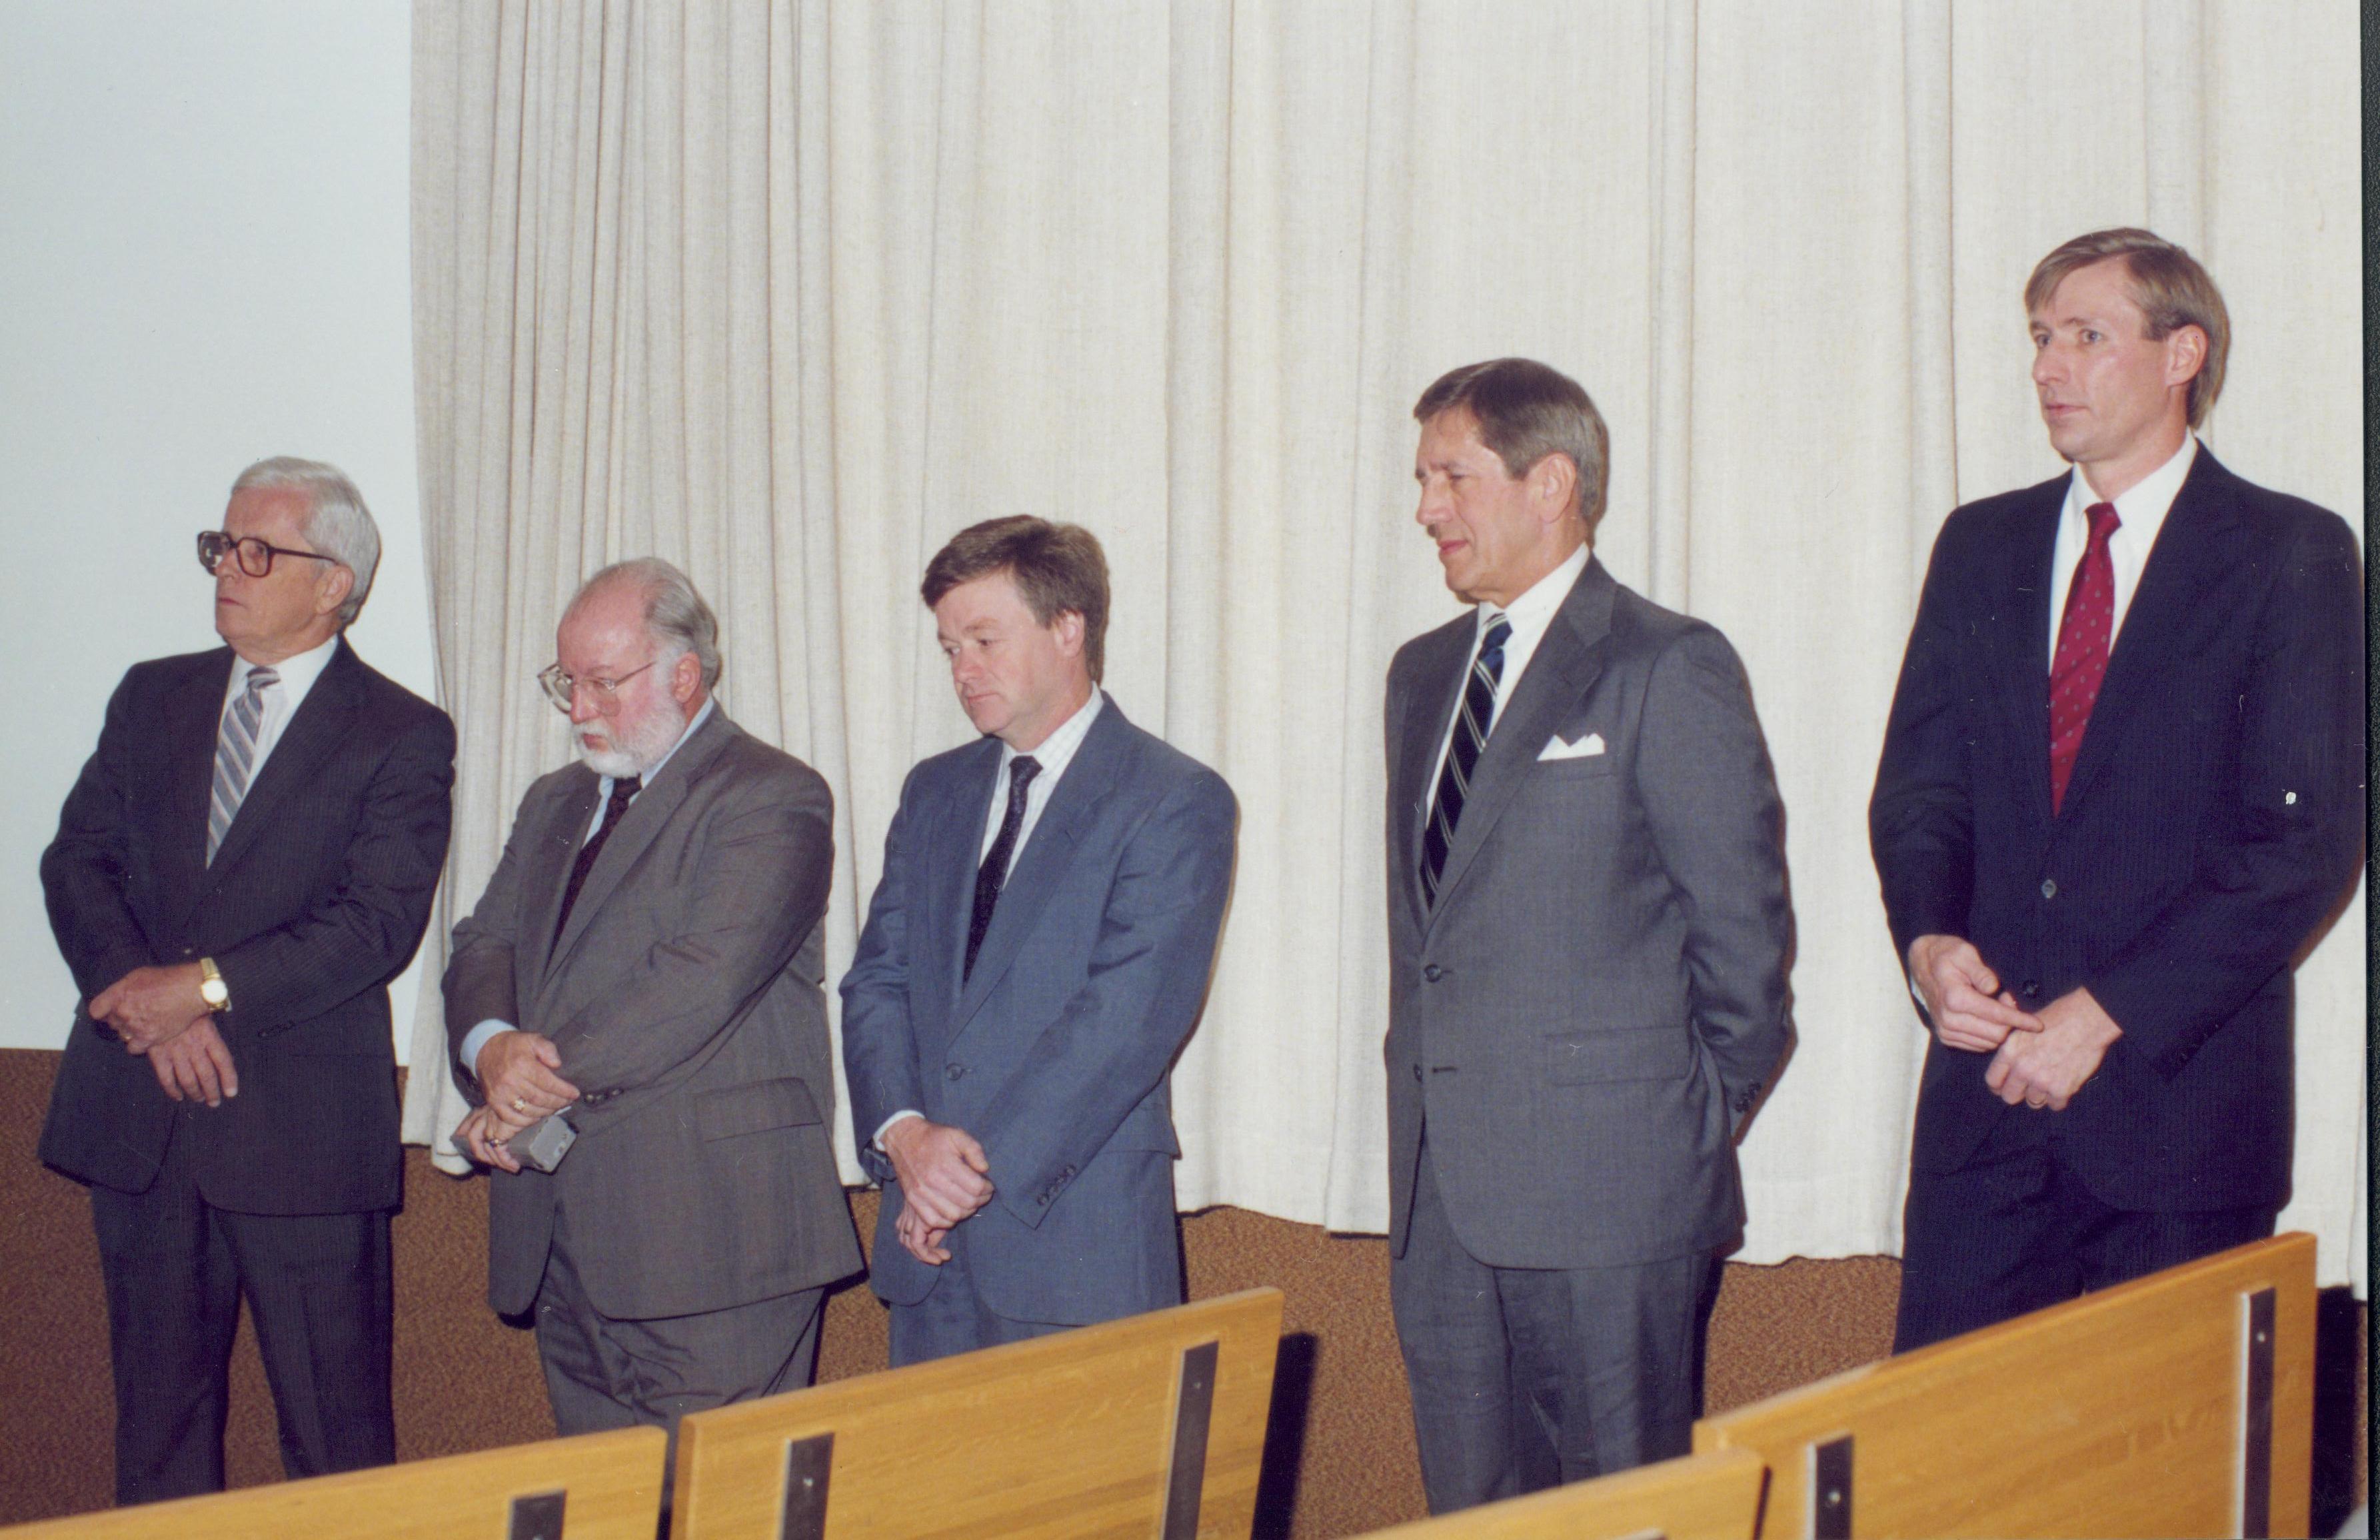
<point>235,754</point>
<point>1471,727</point>
<point>2079,664</point>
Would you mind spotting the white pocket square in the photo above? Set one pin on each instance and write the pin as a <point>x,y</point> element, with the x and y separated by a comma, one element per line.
<point>1585,748</point>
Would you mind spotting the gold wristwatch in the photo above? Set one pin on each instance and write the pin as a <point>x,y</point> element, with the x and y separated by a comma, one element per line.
<point>210,986</point>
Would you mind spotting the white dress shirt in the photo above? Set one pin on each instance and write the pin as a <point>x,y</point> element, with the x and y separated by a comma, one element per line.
<point>281,699</point>
<point>486,1031</point>
<point>1055,753</point>
<point>1530,614</point>
<point>2140,513</point>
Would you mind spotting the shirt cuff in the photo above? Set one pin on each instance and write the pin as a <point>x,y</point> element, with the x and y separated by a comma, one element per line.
<point>877,1142</point>
<point>478,1037</point>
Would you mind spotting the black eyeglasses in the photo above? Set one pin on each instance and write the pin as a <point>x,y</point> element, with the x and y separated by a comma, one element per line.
<point>255,555</point>
<point>560,687</point>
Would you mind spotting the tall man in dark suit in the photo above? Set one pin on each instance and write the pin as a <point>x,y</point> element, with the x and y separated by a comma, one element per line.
<point>245,862</point>
<point>645,965</point>
<point>1587,939</point>
<point>2121,786</point>
<point>1035,956</point>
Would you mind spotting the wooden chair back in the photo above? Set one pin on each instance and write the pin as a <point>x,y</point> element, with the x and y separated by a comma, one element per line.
<point>1151,1426</point>
<point>2177,1405</point>
<point>602,1486</point>
<point>1701,1497</point>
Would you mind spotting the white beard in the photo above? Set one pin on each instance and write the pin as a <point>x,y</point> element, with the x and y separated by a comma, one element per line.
<point>635,750</point>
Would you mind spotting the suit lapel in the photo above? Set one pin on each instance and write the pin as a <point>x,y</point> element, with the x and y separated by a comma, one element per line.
<point>193,721</point>
<point>2188,555</point>
<point>320,724</point>
<point>2021,658</point>
<point>1565,666</point>
<point>1440,666</point>
<point>548,861</point>
<point>647,816</point>
<point>1037,870</point>
<point>957,839</point>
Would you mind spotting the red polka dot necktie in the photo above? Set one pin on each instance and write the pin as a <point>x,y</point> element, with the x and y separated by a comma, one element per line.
<point>2082,659</point>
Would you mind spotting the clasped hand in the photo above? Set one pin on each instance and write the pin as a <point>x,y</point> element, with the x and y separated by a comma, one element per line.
<point>2041,1060</point>
<point>519,1074</point>
<point>943,1176</point>
<point>158,1013</point>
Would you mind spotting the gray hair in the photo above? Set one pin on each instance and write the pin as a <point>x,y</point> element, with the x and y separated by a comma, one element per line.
<point>1528,410</point>
<point>674,612</point>
<point>337,522</point>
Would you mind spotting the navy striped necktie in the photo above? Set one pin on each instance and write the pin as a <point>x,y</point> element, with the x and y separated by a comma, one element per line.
<point>1471,727</point>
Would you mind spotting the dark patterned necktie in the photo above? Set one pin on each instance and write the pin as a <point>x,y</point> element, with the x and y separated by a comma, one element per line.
<point>236,755</point>
<point>2081,662</point>
<point>993,874</point>
<point>614,810</point>
<point>1471,726</point>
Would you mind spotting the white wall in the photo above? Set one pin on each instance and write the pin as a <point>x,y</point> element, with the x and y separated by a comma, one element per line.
<point>203,210</point>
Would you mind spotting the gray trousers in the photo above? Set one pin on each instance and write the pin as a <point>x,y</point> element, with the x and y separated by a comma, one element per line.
<point>604,1373</point>
<point>1523,1378</point>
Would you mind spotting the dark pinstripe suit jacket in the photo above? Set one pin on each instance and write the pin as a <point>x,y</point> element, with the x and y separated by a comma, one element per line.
<point>2214,813</point>
<point>315,900</point>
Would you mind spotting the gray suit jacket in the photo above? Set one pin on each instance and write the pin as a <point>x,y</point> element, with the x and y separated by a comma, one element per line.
<point>685,997</point>
<point>1054,1053</point>
<point>1598,995</point>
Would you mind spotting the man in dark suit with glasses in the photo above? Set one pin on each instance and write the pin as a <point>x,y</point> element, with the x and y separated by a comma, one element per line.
<point>245,862</point>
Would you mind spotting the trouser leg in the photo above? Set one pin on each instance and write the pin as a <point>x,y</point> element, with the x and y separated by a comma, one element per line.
<point>1603,1363</point>
<point>318,1290</point>
<point>1451,1329</point>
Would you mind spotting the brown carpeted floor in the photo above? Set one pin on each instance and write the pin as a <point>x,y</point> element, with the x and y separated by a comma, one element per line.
<point>1339,1458</point>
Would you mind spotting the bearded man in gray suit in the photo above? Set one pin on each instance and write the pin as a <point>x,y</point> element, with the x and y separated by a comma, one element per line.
<point>1588,932</point>
<point>646,966</point>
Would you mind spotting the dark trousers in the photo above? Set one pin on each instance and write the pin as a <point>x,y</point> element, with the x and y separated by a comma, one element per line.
<point>1527,1378</point>
<point>954,1320</point>
<point>316,1287</point>
<point>2012,1230</point>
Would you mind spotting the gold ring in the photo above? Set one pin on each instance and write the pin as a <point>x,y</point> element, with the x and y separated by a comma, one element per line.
<point>520,1105</point>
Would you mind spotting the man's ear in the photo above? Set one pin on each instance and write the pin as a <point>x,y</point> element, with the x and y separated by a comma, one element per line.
<point>1553,486</point>
<point>2185,355</point>
<point>1067,627</point>
<point>686,677</point>
<point>331,590</point>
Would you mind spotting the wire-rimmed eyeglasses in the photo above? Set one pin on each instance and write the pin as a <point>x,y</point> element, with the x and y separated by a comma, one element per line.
<point>560,688</point>
<point>255,555</point>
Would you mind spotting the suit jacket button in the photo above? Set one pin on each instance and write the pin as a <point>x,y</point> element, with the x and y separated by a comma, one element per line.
<point>1433,972</point>
<point>1417,1071</point>
<point>955,1071</point>
<point>2030,987</point>
<point>2049,887</point>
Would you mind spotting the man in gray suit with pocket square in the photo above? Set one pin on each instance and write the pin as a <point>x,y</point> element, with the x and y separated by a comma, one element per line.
<point>1035,956</point>
<point>1588,934</point>
<point>644,966</point>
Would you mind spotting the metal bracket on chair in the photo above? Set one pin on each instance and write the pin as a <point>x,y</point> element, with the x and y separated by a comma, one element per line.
<point>1194,1408</point>
<point>536,1516</point>
<point>2256,1415</point>
<point>808,1463</point>
<point>1830,1489</point>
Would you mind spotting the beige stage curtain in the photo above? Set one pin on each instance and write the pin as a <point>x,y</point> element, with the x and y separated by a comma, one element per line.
<point>787,292</point>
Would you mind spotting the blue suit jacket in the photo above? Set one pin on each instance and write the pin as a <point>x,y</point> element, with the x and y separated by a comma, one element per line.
<point>2215,814</point>
<point>1055,1053</point>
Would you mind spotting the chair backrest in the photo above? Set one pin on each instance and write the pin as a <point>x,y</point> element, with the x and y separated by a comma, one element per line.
<point>602,1486</point>
<point>2177,1405</point>
<point>1148,1426</point>
<point>1701,1497</point>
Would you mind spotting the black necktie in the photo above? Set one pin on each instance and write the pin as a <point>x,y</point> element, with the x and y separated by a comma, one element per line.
<point>994,870</point>
<point>614,810</point>
<point>1471,725</point>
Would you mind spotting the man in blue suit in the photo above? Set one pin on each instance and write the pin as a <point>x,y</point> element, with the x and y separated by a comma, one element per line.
<point>1035,956</point>
<point>2121,787</point>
